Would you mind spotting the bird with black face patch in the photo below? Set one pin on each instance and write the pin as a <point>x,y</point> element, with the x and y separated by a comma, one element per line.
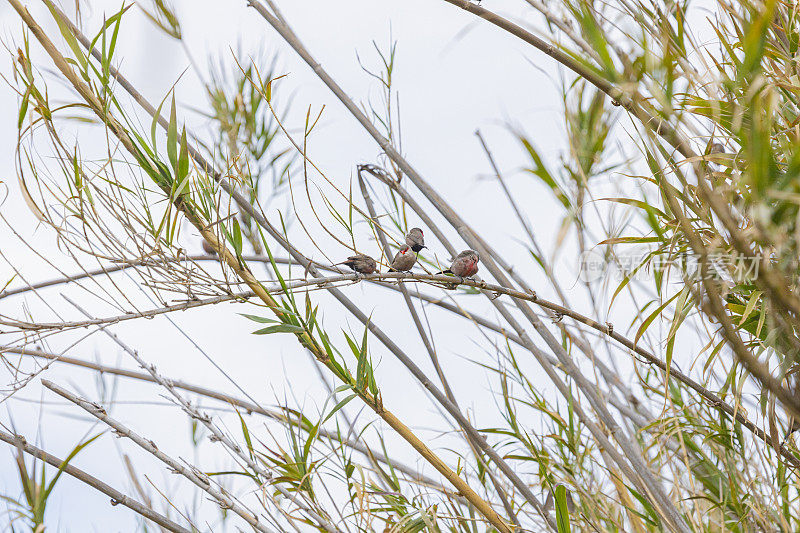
<point>404,259</point>
<point>416,240</point>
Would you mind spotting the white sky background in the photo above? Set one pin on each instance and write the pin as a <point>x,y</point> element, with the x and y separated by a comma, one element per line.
<point>454,75</point>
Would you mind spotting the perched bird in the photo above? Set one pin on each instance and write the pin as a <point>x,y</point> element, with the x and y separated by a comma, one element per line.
<point>464,265</point>
<point>363,264</point>
<point>416,240</point>
<point>403,260</point>
<point>207,248</point>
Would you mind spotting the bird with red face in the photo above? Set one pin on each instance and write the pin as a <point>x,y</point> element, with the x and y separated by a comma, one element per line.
<point>361,263</point>
<point>403,260</point>
<point>416,240</point>
<point>465,264</point>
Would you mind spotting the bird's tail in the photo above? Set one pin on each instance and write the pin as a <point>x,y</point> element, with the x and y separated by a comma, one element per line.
<point>392,270</point>
<point>448,271</point>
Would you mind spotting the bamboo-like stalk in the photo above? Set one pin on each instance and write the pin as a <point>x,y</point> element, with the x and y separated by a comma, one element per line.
<point>117,498</point>
<point>245,275</point>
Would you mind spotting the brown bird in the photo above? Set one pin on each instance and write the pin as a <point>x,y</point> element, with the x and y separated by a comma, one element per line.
<point>403,260</point>
<point>416,240</point>
<point>464,265</point>
<point>363,264</point>
<point>207,248</point>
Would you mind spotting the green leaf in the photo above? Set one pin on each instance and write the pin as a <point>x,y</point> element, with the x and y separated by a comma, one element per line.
<point>246,433</point>
<point>756,38</point>
<point>596,38</point>
<point>539,169</point>
<point>259,319</point>
<point>562,511</point>
<point>338,406</point>
<point>154,124</point>
<point>280,328</point>
<point>183,159</point>
<point>23,108</point>
<point>751,303</point>
<point>630,240</point>
<point>172,136</point>
<point>636,203</point>
<point>75,451</point>
<point>237,237</point>
<point>363,364</point>
<point>66,32</point>
<point>652,317</point>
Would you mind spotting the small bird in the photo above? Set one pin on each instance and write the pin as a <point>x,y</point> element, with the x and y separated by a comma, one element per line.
<point>363,264</point>
<point>464,265</point>
<point>207,248</point>
<point>416,240</point>
<point>403,260</point>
